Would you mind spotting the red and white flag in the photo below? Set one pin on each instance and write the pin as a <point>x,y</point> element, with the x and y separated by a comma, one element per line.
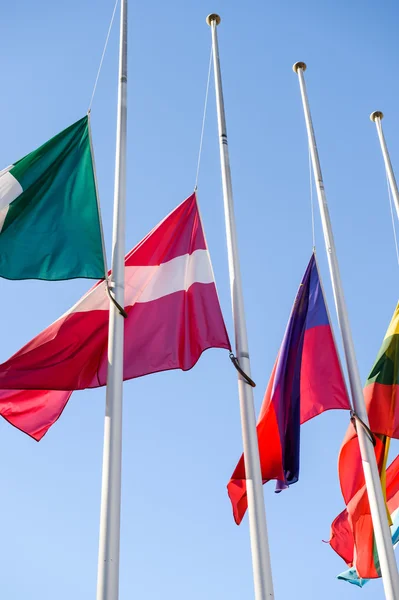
<point>173,316</point>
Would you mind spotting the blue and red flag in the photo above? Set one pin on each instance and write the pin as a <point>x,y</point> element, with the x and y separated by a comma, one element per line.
<point>306,380</point>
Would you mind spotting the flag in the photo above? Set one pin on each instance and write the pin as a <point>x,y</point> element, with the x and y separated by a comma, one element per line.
<point>352,531</point>
<point>173,316</point>
<point>351,575</point>
<point>49,217</point>
<point>306,381</point>
<point>380,393</point>
<point>382,387</point>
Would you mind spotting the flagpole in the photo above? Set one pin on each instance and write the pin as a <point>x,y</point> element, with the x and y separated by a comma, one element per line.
<point>382,532</point>
<point>262,573</point>
<point>377,116</point>
<point>109,542</point>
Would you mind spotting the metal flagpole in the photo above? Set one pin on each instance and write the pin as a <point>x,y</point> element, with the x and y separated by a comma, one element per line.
<point>262,572</point>
<point>382,533</point>
<point>108,555</point>
<point>377,116</point>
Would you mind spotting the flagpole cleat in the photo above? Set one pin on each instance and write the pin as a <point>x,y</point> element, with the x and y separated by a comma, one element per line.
<point>299,65</point>
<point>213,17</point>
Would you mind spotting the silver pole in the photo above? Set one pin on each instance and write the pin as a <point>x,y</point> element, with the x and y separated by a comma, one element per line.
<point>263,582</point>
<point>377,116</point>
<point>108,556</point>
<point>377,504</point>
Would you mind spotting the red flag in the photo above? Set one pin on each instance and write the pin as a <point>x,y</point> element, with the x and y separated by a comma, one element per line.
<point>173,316</point>
<point>380,392</point>
<point>352,531</point>
<point>306,381</point>
<point>357,546</point>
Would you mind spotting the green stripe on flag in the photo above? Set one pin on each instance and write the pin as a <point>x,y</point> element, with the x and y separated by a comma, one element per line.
<point>52,229</point>
<point>386,367</point>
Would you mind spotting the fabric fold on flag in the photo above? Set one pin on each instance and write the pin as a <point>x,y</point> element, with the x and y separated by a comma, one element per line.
<point>173,316</point>
<point>351,575</point>
<point>380,393</point>
<point>50,224</point>
<point>306,381</point>
<point>352,535</point>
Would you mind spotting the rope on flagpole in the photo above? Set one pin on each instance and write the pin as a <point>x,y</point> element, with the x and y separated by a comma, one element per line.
<point>103,55</point>
<point>113,299</point>
<point>243,374</point>
<point>355,419</point>
<point>203,120</point>
<point>393,219</point>
<point>311,199</point>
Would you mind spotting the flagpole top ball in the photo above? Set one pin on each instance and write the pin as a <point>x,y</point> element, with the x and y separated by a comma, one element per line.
<point>377,114</point>
<point>299,65</point>
<point>213,17</point>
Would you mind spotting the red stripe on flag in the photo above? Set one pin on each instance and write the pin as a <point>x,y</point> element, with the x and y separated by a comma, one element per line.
<point>171,332</point>
<point>179,233</point>
<point>322,384</point>
<point>269,454</point>
<point>382,401</point>
<point>32,411</point>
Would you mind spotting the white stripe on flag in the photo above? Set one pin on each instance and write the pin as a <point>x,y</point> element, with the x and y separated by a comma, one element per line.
<point>144,284</point>
<point>174,276</point>
<point>3,214</point>
<point>6,170</point>
<point>10,189</point>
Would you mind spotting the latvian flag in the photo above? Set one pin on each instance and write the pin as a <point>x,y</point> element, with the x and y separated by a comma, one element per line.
<point>173,316</point>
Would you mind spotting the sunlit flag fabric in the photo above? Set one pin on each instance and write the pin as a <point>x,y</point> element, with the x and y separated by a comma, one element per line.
<point>351,575</point>
<point>306,381</point>
<point>381,394</point>
<point>49,217</point>
<point>352,534</point>
<point>173,316</point>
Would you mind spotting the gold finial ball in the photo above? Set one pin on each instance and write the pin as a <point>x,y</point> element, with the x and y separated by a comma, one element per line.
<point>213,17</point>
<point>299,65</point>
<point>377,114</point>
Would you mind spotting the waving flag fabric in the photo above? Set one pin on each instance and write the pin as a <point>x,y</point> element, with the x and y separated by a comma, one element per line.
<point>173,316</point>
<point>352,531</point>
<point>351,575</point>
<point>306,381</point>
<point>49,218</point>
<point>381,397</point>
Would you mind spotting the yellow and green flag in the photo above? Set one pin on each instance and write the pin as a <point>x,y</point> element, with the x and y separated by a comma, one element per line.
<point>352,531</point>
<point>382,387</point>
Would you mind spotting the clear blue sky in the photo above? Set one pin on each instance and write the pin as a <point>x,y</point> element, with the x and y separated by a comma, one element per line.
<point>182,430</point>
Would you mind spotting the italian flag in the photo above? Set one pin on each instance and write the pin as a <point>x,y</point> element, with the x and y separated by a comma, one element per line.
<point>49,217</point>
